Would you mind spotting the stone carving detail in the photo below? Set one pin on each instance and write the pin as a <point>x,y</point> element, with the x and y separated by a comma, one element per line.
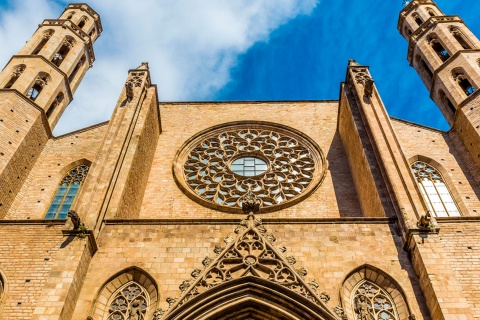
<point>130,303</point>
<point>158,314</point>
<point>250,254</point>
<point>206,262</point>
<point>293,165</point>
<point>362,77</point>
<point>427,223</point>
<point>17,71</point>
<point>184,286</point>
<point>314,285</point>
<point>171,301</point>
<point>324,297</point>
<point>371,302</point>
<point>291,260</point>
<point>196,273</point>
<point>340,312</point>
<point>217,249</point>
<point>75,218</point>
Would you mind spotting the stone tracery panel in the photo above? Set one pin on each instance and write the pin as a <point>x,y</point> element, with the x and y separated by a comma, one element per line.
<point>370,302</point>
<point>294,166</point>
<point>129,303</point>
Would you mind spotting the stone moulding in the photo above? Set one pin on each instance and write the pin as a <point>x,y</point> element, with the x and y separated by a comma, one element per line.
<point>249,273</point>
<point>296,166</point>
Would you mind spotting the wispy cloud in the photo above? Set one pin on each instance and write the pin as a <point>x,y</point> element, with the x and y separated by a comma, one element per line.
<point>191,45</point>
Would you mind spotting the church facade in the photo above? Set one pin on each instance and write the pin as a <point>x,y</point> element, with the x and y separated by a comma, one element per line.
<point>240,210</point>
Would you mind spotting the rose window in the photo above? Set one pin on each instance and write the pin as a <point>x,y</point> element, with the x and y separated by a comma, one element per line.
<point>220,166</point>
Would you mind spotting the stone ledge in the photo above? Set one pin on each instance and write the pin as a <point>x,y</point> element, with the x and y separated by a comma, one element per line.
<point>56,222</point>
<point>233,221</point>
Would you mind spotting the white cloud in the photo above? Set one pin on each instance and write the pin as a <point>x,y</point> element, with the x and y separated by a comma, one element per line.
<point>191,45</point>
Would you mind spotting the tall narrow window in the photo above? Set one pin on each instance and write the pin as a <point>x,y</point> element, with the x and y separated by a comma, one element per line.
<point>67,44</point>
<point>446,102</point>
<point>46,36</point>
<point>438,48</point>
<point>70,15</point>
<point>58,100</point>
<point>129,302</point>
<point>434,191</point>
<point>77,68</point>
<point>425,67</point>
<point>92,33</point>
<point>418,20</point>
<point>17,71</point>
<point>457,34</point>
<point>40,82</point>
<point>462,80</point>
<point>373,302</point>
<point>82,22</point>
<point>66,192</point>
<point>431,12</point>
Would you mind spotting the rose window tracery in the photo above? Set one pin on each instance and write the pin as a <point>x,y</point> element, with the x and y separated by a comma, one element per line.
<point>222,166</point>
<point>370,302</point>
<point>130,303</point>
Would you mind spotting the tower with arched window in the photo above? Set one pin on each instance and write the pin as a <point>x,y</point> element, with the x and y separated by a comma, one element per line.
<point>445,53</point>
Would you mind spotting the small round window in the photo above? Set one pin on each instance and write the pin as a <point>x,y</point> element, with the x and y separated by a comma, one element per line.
<point>248,166</point>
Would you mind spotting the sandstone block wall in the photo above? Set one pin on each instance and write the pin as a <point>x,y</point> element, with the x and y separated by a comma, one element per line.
<point>334,198</point>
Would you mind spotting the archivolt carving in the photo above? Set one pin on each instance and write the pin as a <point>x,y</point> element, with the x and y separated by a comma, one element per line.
<point>250,254</point>
<point>295,166</point>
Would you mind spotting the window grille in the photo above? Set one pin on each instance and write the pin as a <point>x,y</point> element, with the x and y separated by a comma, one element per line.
<point>434,190</point>
<point>129,302</point>
<point>370,302</point>
<point>66,192</point>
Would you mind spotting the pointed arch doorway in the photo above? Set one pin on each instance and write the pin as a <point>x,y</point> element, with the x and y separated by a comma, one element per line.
<point>249,298</point>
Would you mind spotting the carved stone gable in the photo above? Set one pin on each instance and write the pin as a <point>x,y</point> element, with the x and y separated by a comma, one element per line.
<point>251,254</point>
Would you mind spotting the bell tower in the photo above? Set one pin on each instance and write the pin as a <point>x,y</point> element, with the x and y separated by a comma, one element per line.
<point>36,86</point>
<point>446,55</point>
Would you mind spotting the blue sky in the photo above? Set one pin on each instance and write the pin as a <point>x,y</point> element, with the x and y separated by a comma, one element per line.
<point>239,50</point>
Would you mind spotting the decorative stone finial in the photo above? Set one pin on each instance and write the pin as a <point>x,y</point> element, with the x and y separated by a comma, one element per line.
<point>352,62</point>
<point>143,66</point>
<point>251,204</point>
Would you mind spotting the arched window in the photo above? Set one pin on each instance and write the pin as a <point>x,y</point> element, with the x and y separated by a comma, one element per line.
<point>446,102</point>
<point>408,32</point>
<point>129,302</point>
<point>459,37</point>
<point>66,192</point>
<point>129,294</point>
<point>438,48</point>
<point>434,190</point>
<point>425,66</point>
<point>92,33</point>
<point>40,82</point>
<point>369,301</point>
<point>17,71</point>
<point>58,100</point>
<point>82,22</point>
<point>431,12</point>
<point>77,68</point>
<point>462,80</point>
<point>67,44</point>
<point>70,15</point>
<point>418,20</point>
<point>46,36</point>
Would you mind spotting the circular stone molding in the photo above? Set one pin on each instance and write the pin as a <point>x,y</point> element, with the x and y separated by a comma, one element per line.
<point>203,166</point>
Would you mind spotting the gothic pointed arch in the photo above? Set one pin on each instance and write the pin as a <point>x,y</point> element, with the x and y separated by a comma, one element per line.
<point>441,197</point>
<point>131,291</point>
<point>249,297</point>
<point>249,274</point>
<point>382,296</point>
<point>71,178</point>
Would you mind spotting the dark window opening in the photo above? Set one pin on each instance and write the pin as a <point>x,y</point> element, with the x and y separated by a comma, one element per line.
<point>427,69</point>
<point>466,86</point>
<point>62,53</point>
<point>418,20</point>
<point>461,40</point>
<point>70,16</point>
<point>77,68</point>
<point>440,50</point>
<point>431,12</point>
<point>92,33</point>
<point>82,23</point>
<point>41,44</point>
<point>34,92</point>
<point>10,83</point>
<point>58,100</point>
